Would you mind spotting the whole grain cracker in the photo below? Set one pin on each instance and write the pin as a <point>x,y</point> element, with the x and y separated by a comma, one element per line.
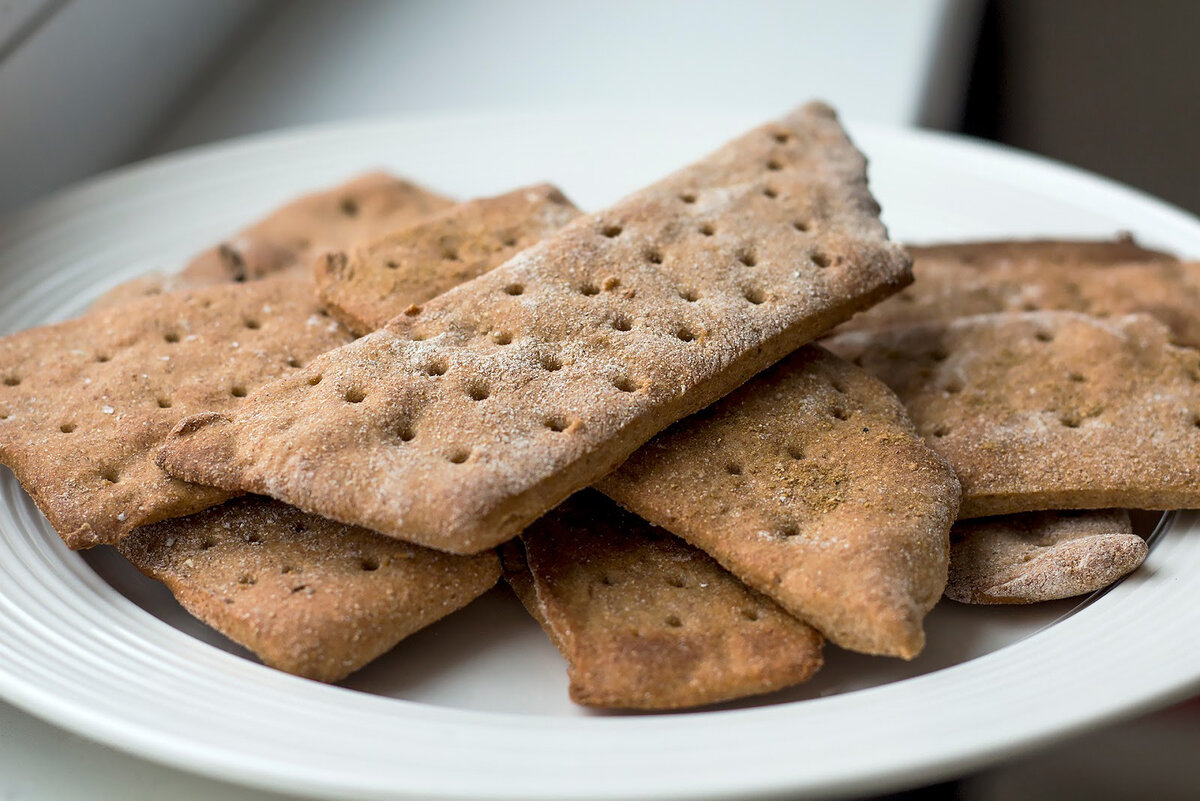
<point>1120,249</point>
<point>946,288</point>
<point>367,286</point>
<point>85,403</point>
<point>311,597</point>
<point>290,237</point>
<point>460,423</point>
<point>1041,556</point>
<point>644,620</point>
<point>1048,410</point>
<point>810,484</point>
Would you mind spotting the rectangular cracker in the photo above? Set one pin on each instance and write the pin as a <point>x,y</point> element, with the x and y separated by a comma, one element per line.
<point>84,404</point>
<point>460,423</point>
<point>810,484</point>
<point>310,597</point>
<point>945,289</point>
<point>292,236</point>
<point>365,287</point>
<point>644,620</point>
<point>1048,410</point>
<point>1041,556</point>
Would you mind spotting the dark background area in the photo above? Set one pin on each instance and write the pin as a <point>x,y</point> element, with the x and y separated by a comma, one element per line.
<point>1108,85</point>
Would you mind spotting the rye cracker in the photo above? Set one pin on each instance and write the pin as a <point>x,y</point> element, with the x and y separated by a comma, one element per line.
<point>292,236</point>
<point>644,620</point>
<point>84,404</point>
<point>365,287</point>
<point>1041,556</point>
<point>311,597</point>
<point>463,421</point>
<point>1048,410</point>
<point>810,484</point>
<point>1118,250</point>
<point>945,289</point>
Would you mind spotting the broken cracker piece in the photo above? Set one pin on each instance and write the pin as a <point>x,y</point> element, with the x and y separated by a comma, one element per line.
<point>289,238</point>
<point>1048,410</point>
<point>367,286</point>
<point>504,395</point>
<point>85,403</point>
<point>644,620</point>
<point>310,597</point>
<point>1041,556</point>
<point>810,484</point>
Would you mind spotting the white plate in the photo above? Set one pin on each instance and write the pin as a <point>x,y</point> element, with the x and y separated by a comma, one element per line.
<point>475,706</point>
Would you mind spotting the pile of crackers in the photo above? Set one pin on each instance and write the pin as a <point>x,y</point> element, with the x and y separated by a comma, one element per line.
<point>353,417</point>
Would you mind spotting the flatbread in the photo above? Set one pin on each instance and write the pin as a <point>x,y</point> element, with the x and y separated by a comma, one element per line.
<point>1048,410</point>
<point>366,286</point>
<point>289,238</point>
<point>810,484</point>
<point>310,597</point>
<point>458,425</point>
<point>84,404</point>
<point>945,289</point>
<point>644,620</point>
<point>1041,556</point>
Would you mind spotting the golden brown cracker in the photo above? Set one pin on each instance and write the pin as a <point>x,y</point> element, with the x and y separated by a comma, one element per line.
<point>462,422</point>
<point>84,404</point>
<point>290,237</point>
<point>810,484</point>
<point>311,597</point>
<point>1048,410</point>
<point>644,620</point>
<point>366,286</point>
<point>1041,556</point>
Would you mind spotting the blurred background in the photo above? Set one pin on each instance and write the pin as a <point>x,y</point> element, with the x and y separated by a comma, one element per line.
<point>87,85</point>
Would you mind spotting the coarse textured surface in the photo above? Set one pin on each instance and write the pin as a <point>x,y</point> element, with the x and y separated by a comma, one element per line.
<point>644,620</point>
<point>1048,410</point>
<point>365,287</point>
<point>311,597</point>
<point>1041,556</point>
<point>1120,249</point>
<point>946,288</point>
<point>460,423</point>
<point>810,484</point>
<point>85,403</point>
<point>290,237</point>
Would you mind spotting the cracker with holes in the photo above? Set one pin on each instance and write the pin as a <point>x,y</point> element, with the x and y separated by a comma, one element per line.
<point>810,484</point>
<point>1041,556</point>
<point>644,620</point>
<point>289,238</point>
<point>463,421</point>
<point>365,287</point>
<point>85,403</point>
<point>1048,410</point>
<point>311,597</point>
<point>952,287</point>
